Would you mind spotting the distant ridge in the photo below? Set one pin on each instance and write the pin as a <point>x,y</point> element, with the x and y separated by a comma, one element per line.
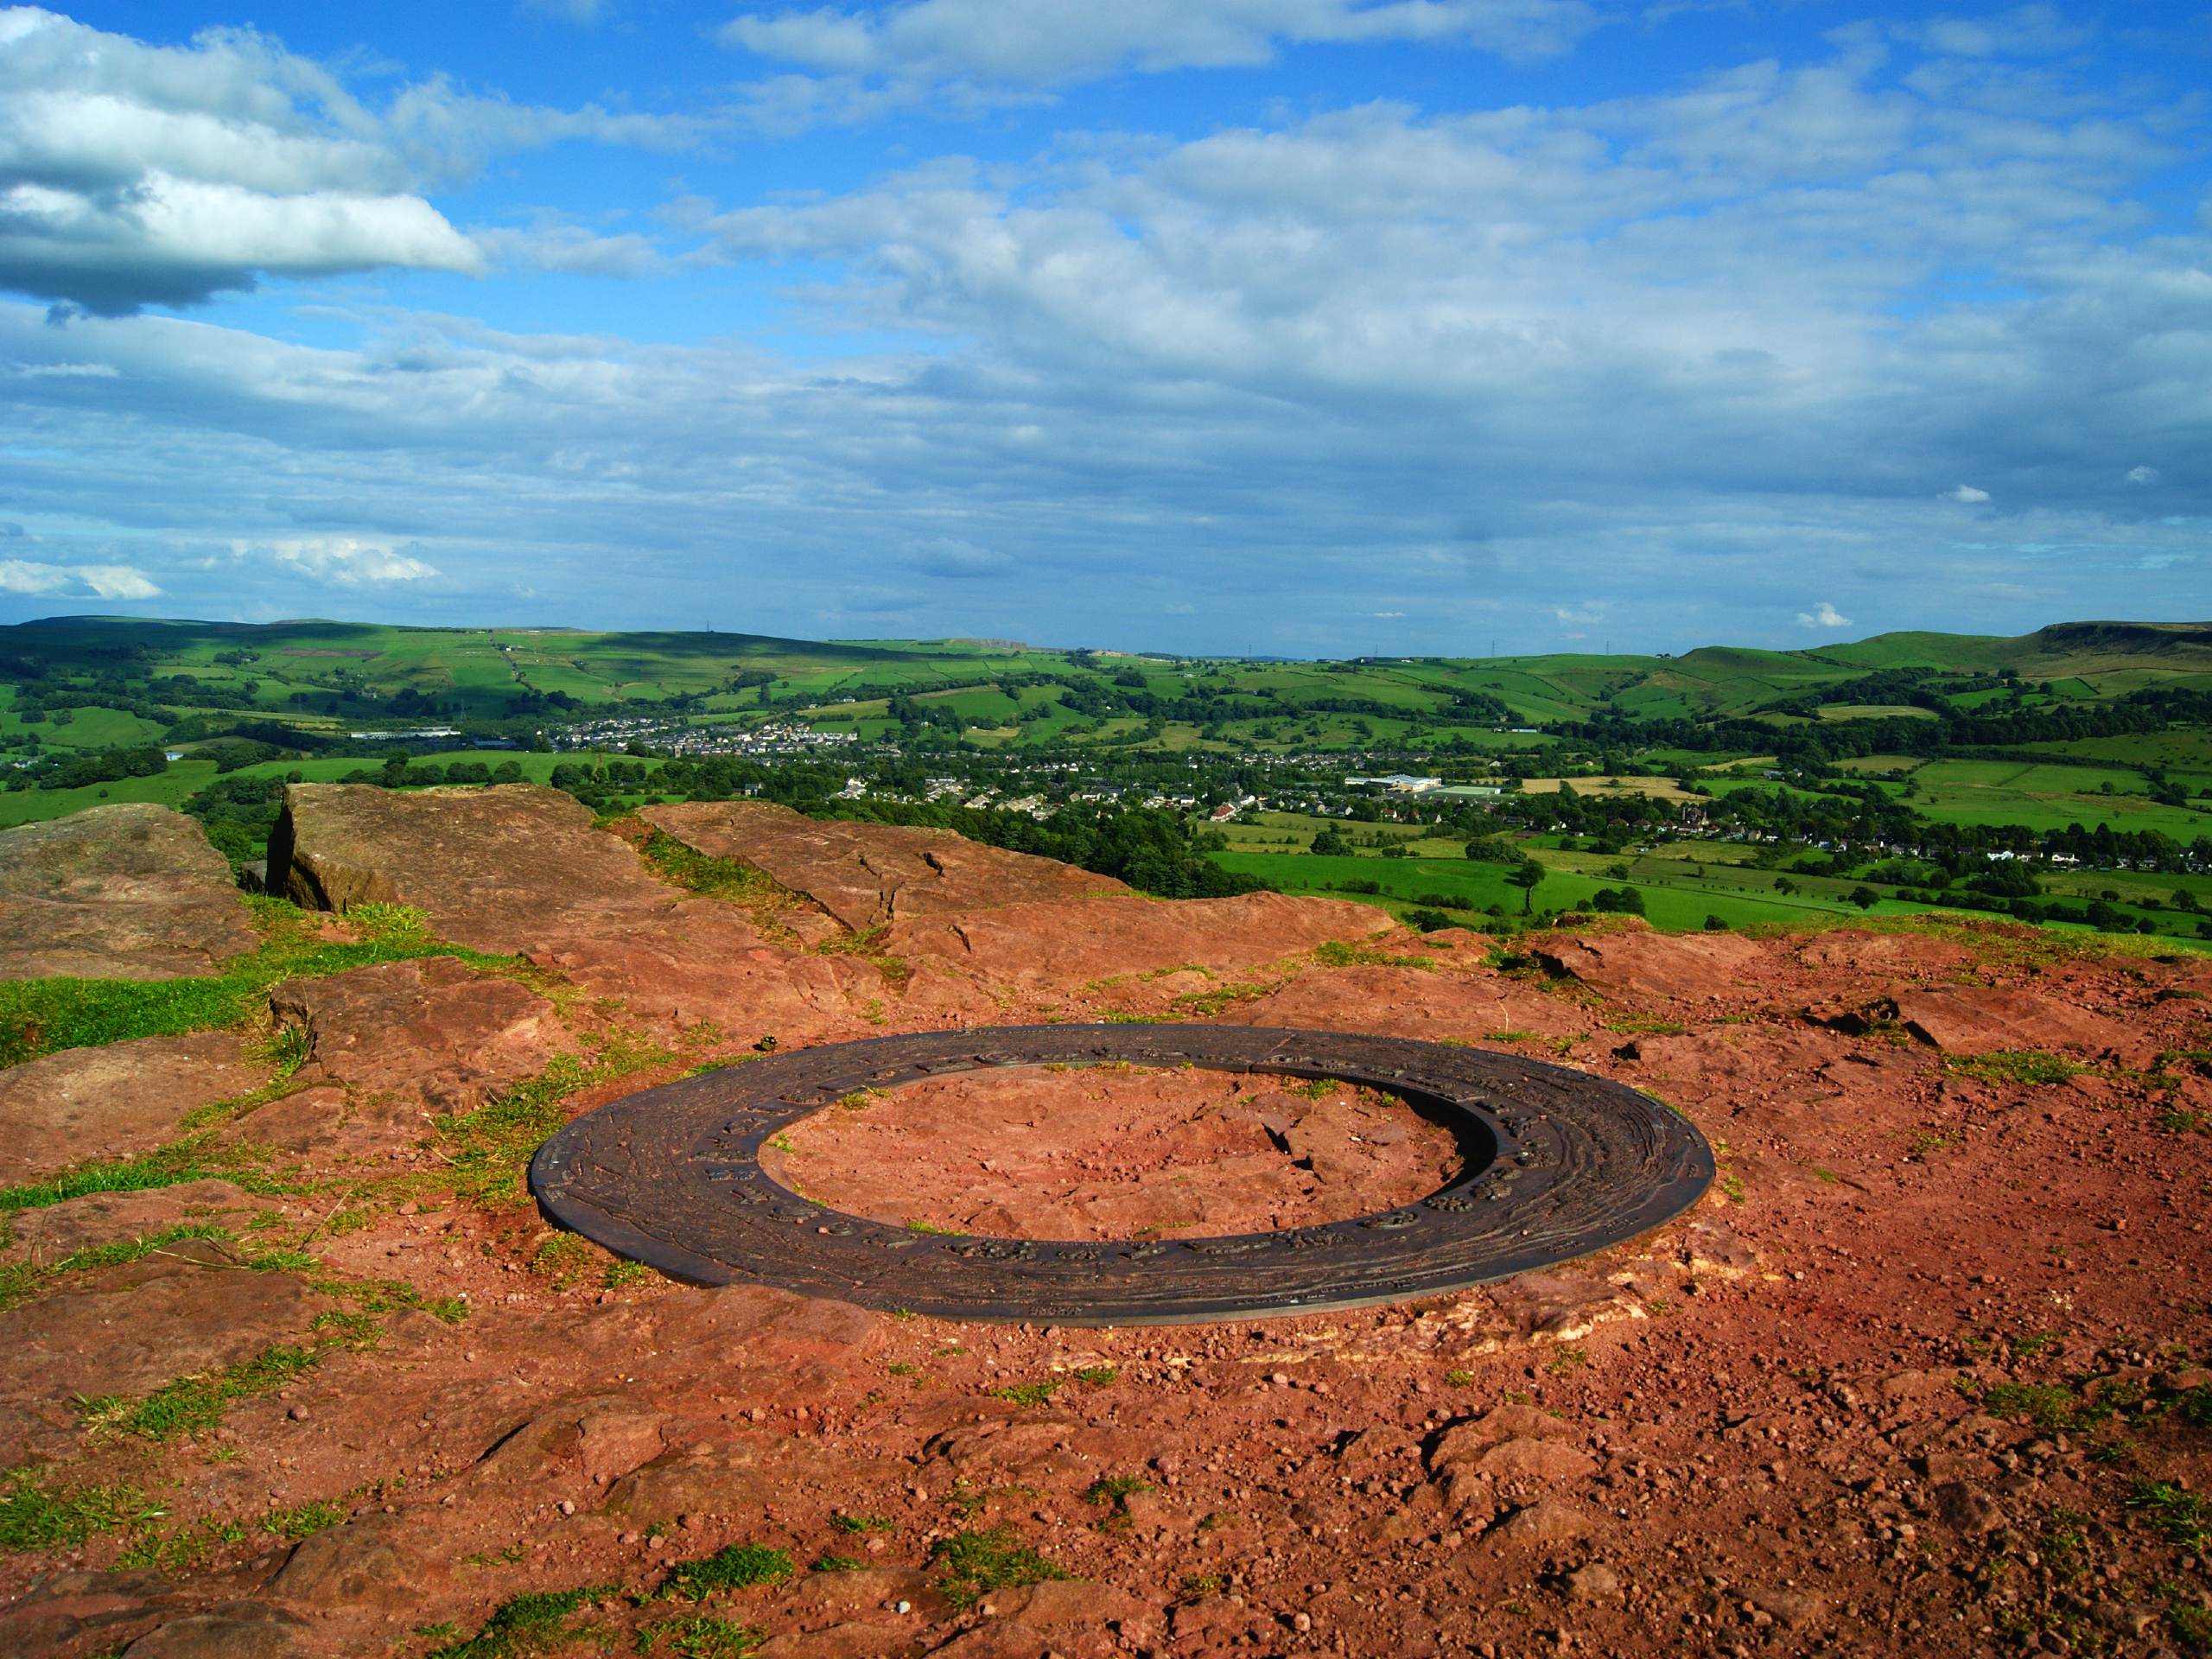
<point>2147,636</point>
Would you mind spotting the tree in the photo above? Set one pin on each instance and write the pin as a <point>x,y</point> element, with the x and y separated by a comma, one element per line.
<point>1528,875</point>
<point>1865,897</point>
<point>1329,842</point>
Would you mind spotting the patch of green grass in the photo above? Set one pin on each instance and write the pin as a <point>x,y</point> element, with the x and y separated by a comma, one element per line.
<point>302,1520</point>
<point>1334,953</point>
<point>700,1635</point>
<point>43,1016</point>
<point>620,1276</point>
<point>35,1514</point>
<point>1027,1394</point>
<point>191,1160</point>
<point>527,1625</point>
<point>2020,1067</point>
<point>492,1146</point>
<point>928,1227</point>
<point>975,1563</point>
<point>861,1523</point>
<point>2183,1518</point>
<point>838,1564</point>
<point>1098,1377</point>
<point>736,1566</point>
<point>192,1405</point>
<point>1113,1493</point>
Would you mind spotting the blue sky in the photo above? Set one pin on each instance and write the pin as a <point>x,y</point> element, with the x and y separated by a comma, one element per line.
<point>1259,326</point>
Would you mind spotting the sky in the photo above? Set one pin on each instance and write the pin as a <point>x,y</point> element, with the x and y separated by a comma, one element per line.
<point>1298,327</point>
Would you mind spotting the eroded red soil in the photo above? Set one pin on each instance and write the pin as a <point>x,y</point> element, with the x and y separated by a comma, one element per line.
<point>1925,1373</point>
<point>1114,1151</point>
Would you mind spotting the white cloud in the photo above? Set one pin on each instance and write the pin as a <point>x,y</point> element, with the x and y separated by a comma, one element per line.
<point>92,580</point>
<point>1586,617</point>
<point>1823,615</point>
<point>864,60</point>
<point>1966,495</point>
<point>2142,475</point>
<point>133,174</point>
<point>343,560</point>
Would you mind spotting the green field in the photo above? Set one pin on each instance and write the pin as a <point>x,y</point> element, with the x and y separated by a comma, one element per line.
<point>1678,902</point>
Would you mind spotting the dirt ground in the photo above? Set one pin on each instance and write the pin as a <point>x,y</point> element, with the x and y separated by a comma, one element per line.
<point>1925,1373</point>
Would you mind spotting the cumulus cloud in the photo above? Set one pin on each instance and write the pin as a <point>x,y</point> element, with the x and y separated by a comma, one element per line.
<point>342,560</point>
<point>1673,358</point>
<point>1823,615</point>
<point>861,61</point>
<point>2142,475</point>
<point>133,174</point>
<point>1966,495</point>
<point>82,581</point>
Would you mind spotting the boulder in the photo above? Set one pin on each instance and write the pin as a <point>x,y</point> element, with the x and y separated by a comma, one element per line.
<point>433,1025</point>
<point>1066,942</point>
<point>131,891</point>
<point>504,869</point>
<point>1634,961</point>
<point>89,1103</point>
<point>869,874</point>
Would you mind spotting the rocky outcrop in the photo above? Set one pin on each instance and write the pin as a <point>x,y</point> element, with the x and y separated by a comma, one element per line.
<point>500,869</point>
<point>431,1024</point>
<point>1984,1020</point>
<point>1074,943</point>
<point>125,892</point>
<point>1632,960</point>
<point>84,1105</point>
<point>868,874</point>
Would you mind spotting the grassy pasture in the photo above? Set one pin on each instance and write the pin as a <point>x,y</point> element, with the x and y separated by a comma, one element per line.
<point>1678,905</point>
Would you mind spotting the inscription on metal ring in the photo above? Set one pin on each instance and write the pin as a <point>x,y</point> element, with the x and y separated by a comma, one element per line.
<point>671,1177</point>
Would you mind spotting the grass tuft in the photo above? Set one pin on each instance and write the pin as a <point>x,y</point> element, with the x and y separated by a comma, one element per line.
<point>528,1625</point>
<point>977,1563</point>
<point>736,1566</point>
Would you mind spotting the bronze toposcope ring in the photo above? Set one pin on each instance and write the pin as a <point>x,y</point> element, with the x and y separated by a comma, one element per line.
<point>1555,1163</point>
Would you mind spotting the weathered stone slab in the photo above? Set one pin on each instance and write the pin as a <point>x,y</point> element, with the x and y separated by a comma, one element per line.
<point>53,1232</point>
<point>109,1102</point>
<point>131,891</point>
<point>1075,942</point>
<point>505,869</point>
<point>868,874</point>
<point>1983,1020</point>
<point>1634,961</point>
<point>433,1026</point>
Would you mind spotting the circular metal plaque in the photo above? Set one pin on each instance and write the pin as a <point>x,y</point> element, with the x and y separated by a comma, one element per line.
<point>1556,1164</point>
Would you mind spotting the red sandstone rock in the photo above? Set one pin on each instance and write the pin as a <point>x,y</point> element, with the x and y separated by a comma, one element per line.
<point>868,874</point>
<point>1773,1389</point>
<point>1634,961</point>
<point>1079,1154</point>
<point>1981,1020</point>
<point>124,891</point>
<point>431,1024</point>
<point>505,869</point>
<point>1447,1004</point>
<point>53,1232</point>
<point>84,1104</point>
<point>1075,942</point>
